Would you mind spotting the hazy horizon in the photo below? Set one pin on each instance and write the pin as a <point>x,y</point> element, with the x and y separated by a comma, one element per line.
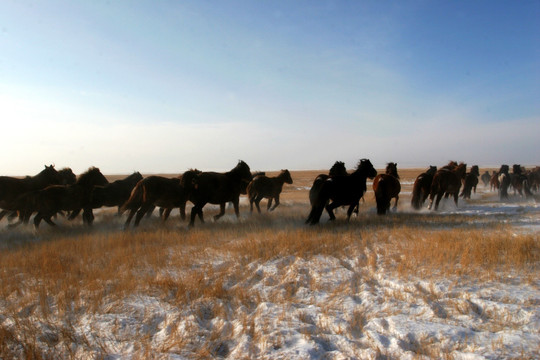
<point>167,86</point>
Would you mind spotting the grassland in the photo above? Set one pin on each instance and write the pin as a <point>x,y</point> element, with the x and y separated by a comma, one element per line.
<point>268,286</point>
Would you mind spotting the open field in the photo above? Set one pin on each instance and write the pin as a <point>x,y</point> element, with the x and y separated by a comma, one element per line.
<point>462,283</point>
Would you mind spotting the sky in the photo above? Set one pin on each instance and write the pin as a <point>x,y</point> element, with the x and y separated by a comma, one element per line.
<point>164,86</point>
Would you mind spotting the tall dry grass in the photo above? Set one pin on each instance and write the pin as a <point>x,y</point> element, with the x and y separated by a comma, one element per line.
<point>58,275</point>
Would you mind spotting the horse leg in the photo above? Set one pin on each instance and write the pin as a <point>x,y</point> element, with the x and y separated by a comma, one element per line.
<point>183,211</point>
<point>456,196</point>
<point>395,203</point>
<point>130,216</point>
<point>330,209</point>
<point>269,204</point>
<point>258,203</point>
<point>276,203</point>
<point>350,211</point>
<point>74,214</point>
<point>88,216</point>
<point>221,211</point>
<point>166,214</point>
<point>142,211</point>
<point>438,200</point>
<point>196,210</point>
<point>236,203</point>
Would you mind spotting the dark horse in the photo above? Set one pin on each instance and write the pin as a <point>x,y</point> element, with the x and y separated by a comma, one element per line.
<point>503,179</point>
<point>486,176</point>
<point>115,193</point>
<point>447,181</point>
<point>168,193</point>
<point>470,182</point>
<point>56,198</point>
<point>338,169</point>
<point>520,181</point>
<point>270,188</point>
<point>342,190</point>
<point>12,188</point>
<point>218,188</point>
<point>386,186</point>
<point>422,187</point>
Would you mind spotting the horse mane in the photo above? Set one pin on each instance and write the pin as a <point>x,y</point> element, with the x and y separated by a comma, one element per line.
<point>338,169</point>
<point>504,169</point>
<point>240,171</point>
<point>391,169</point>
<point>88,175</point>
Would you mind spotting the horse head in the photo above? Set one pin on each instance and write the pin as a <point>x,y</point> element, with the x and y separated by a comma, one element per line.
<point>92,177</point>
<point>391,169</point>
<point>338,169</point>
<point>67,176</point>
<point>475,170</point>
<point>366,167</point>
<point>286,176</point>
<point>516,169</point>
<point>504,169</point>
<point>242,171</point>
<point>432,170</point>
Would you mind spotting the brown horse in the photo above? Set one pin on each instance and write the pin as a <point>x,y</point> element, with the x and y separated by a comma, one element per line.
<point>486,177</point>
<point>494,183</point>
<point>338,169</point>
<point>422,187</point>
<point>56,198</point>
<point>447,181</point>
<point>47,177</point>
<point>267,187</point>
<point>159,191</point>
<point>342,190</point>
<point>520,181</point>
<point>11,188</point>
<point>470,182</point>
<point>386,186</point>
<point>218,188</point>
<point>115,193</point>
<point>534,178</point>
<point>503,179</point>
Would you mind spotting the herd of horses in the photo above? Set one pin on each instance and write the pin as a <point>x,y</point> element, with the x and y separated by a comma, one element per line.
<point>52,192</point>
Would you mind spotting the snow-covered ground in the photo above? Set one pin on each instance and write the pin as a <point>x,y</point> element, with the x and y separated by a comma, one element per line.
<point>325,308</point>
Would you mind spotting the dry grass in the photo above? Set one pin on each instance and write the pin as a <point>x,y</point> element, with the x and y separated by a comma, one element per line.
<point>58,275</point>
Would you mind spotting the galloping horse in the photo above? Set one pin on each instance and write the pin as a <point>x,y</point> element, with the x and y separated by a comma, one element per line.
<point>12,188</point>
<point>338,169</point>
<point>470,182</point>
<point>159,191</point>
<point>520,181</point>
<point>115,193</point>
<point>218,188</point>
<point>386,186</point>
<point>55,198</point>
<point>342,190</point>
<point>486,177</point>
<point>422,187</point>
<point>270,188</point>
<point>503,179</point>
<point>447,181</point>
<point>494,183</point>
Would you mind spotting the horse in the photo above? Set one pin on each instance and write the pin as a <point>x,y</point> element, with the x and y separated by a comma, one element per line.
<point>520,181</point>
<point>386,186</point>
<point>11,188</point>
<point>218,188</point>
<point>115,193</point>
<point>534,178</point>
<point>422,187</point>
<point>470,182</point>
<point>152,191</point>
<point>447,181</point>
<point>49,176</point>
<point>342,190</point>
<point>486,177</point>
<point>503,179</point>
<point>267,187</point>
<point>338,169</point>
<point>494,183</point>
<point>56,198</point>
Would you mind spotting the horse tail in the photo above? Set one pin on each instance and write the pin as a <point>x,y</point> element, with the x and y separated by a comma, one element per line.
<point>381,197</point>
<point>135,199</point>
<point>416,197</point>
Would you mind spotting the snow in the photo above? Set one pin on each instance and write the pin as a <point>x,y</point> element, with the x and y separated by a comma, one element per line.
<point>330,308</point>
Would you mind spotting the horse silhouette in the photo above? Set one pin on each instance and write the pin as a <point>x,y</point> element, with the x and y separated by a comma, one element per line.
<point>520,181</point>
<point>152,191</point>
<point>486,177</point>
<point>422,187</point>
<point>262,187</point>
<point>342,190</point>
<point>338,169</point>
<point>115,193</point>
<point>56,198</point>
<point>447,181</point>
<point>470,182</point>
<point>218,188</point>
<point>387,186</point>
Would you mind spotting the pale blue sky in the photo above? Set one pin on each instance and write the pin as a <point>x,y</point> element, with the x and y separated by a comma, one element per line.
<point>163,86</point>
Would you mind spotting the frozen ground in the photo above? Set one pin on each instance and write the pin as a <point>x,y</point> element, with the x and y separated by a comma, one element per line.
<point>326,308</point>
